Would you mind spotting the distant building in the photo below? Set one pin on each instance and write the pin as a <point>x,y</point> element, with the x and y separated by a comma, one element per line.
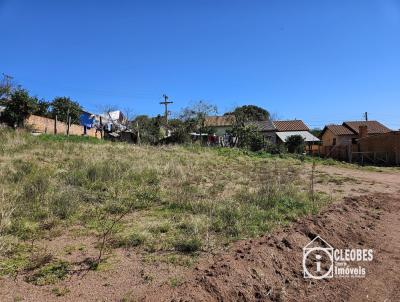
<point>285,129</point>
<point>349,132</point>
<point>341,141</point>
<point>221,124</point>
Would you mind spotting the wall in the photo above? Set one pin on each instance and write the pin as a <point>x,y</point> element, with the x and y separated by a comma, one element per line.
<point>328,136</point>
<point>46,125</point>
<point>221,130</point>
<point>387,143</point>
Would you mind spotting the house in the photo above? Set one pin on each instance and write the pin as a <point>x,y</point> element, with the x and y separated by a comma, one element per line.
<point>285,129</point>
<point>349,132</point>
<point>340,141</point>
<point>266,128</point>
<point>220,124</point>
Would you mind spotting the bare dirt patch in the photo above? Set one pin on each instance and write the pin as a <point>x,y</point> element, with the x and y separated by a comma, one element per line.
<point>270,269</point>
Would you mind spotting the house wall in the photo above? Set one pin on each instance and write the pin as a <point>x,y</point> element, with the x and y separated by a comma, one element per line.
<point>328,136</point>
<point>221,130</point>
<point>340,151</point>
<point>270,136</point>
<point>46,125</point>
<point>388,143</point>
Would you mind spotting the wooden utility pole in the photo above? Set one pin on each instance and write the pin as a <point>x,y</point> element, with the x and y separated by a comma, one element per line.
<point>366,116</point>
<point>138,133</point>
<point>165,103</point>
<point>55,124</point>
<point>68,122</point>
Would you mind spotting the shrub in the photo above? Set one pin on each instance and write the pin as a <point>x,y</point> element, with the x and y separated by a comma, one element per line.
<point>50,273</point>
<point>131,240</point>
<point>295,144</point>
<point>63,204</point>
<point>186,245</point>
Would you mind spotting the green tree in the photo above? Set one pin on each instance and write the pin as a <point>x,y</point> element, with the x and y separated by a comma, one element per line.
<point>19,107</point>
<point>42,108</point>
<point>248,113</point>
<point>316,132</point>
<point>295,144</point>
<point>64,106</point>
<point>180,131</point>
<point>149,128</point>
<point>248,137</point>
<point>194,116</point>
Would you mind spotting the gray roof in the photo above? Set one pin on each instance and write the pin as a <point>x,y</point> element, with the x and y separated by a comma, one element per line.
<point>262,125</point>
<point>308,137</point>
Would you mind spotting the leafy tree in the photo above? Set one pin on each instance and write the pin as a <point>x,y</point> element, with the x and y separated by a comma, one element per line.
<point>42,108</point>
<point>316,132</point>
<point>62,106</point>
<point>180,131</point>
<point>248,113</point>
<point>19,107</point>
<point>194,117</point>
<point>295,144</point>
<point>248,137</point>
<point>149,128</point>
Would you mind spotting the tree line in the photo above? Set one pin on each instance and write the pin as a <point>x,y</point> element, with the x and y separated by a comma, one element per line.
<point>19,105</point>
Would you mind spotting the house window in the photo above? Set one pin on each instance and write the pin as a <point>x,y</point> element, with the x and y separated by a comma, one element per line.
<point>334,141</point>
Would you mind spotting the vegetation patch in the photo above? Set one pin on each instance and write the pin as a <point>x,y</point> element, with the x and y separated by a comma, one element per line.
<point>50,273</point>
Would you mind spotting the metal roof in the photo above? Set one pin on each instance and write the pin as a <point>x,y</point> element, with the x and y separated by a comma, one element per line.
<point>307,136</point>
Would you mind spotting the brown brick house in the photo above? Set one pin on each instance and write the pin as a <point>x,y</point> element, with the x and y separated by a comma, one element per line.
<point>339,141</point>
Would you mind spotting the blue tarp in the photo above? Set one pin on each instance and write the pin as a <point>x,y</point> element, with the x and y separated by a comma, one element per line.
<point>86,120</point>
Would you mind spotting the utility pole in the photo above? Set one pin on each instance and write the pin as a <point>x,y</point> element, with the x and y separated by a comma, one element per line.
<point>366,116</point>
<point>165,103</point>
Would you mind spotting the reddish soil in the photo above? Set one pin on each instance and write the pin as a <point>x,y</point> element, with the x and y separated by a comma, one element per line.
<point>270,268</point>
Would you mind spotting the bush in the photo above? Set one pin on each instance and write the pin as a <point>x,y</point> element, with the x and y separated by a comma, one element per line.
<point>130,240</point>
<point>295,144</point>
<point>49,274</point>
<point>188,245</point>
<point>64,204</point>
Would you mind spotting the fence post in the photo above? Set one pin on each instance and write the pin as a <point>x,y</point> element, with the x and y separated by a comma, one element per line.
<point>68,124</point>
<point>55,125</point>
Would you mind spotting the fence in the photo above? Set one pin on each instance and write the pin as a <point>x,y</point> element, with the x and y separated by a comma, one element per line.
<point>46,125</point>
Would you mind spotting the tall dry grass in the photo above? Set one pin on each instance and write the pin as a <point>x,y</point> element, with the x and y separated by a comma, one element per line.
<point>182,199</point>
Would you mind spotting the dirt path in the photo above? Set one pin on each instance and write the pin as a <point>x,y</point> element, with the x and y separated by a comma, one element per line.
<point>350,182</point>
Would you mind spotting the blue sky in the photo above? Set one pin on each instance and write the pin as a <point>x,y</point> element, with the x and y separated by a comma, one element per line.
<point>320,61</point>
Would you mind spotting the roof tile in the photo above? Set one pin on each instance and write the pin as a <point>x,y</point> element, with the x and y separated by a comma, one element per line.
<point>294,125</point>
<point>374,127</point>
